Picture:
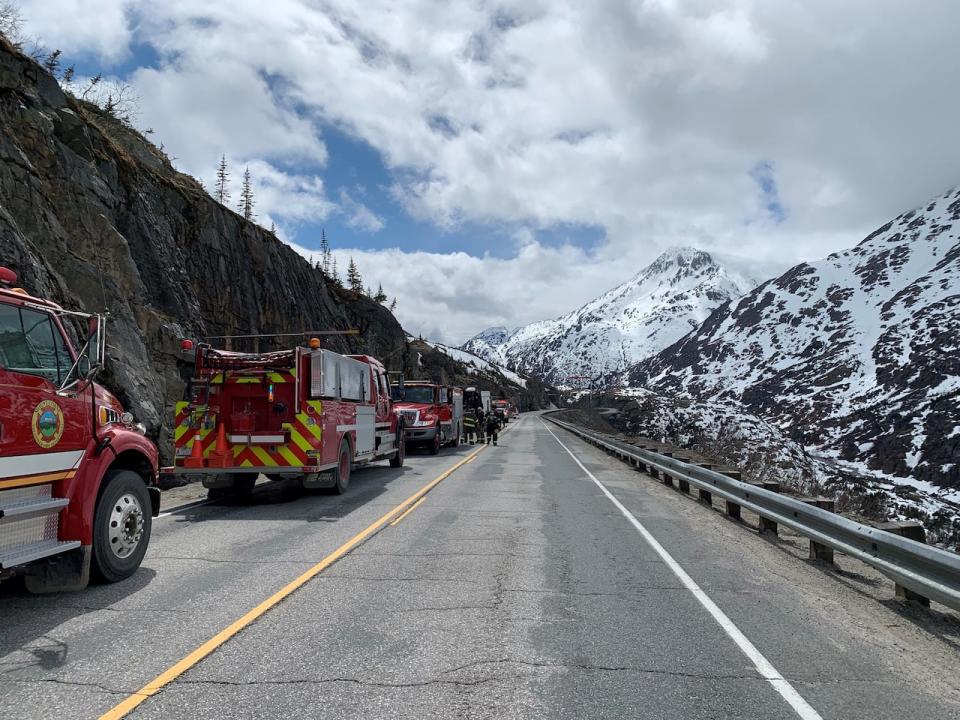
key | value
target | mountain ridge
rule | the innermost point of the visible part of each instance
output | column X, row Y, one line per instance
column 855, row 355
column 605, row 336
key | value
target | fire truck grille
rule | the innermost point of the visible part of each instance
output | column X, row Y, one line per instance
column 26, row 531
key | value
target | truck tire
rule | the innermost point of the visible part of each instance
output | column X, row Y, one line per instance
column 397, row 460
column 243, row 484
column 437, row 441
column 341, row 473
column 121, row 526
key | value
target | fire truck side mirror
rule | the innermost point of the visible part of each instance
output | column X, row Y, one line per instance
column 97, row 342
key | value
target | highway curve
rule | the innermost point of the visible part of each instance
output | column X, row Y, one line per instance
column 538, row 579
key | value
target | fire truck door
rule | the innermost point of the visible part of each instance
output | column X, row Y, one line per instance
column 41, row 433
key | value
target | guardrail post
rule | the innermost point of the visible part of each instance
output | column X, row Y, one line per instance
column 912, row 531
column 733, row 509
column 766, row 524
column 665, row 477
column 818, row 551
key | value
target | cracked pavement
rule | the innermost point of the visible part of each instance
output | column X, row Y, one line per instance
column 515, row 590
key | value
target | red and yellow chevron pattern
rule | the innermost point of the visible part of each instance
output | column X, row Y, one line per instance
column 302, row 448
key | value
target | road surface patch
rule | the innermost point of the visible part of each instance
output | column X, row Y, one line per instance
column 172, row 673
column 767, row 671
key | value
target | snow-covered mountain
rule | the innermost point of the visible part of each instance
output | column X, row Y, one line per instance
column 856, row 356
column 487, row 344
column 649, row 312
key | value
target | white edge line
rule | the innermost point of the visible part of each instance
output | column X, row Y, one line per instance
column 763, row 666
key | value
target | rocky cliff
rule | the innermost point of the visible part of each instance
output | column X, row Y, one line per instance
column 95, row 217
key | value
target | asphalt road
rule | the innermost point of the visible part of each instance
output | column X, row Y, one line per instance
column 516, row 588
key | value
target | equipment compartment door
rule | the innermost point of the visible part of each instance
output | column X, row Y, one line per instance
column 366, row 427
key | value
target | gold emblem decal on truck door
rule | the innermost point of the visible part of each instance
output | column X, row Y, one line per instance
column 47, row 424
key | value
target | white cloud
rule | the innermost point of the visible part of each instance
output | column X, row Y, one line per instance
column 642, row 118
column 358, row 216
column 98, row 27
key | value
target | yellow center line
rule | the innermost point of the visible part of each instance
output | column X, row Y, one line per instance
column 176, row 670
column 410, row 509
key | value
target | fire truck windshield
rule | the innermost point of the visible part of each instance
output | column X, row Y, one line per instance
column 413, row 394
column 31, row 344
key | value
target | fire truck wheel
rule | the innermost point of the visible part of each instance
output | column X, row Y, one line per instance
column 341, row 473
column 401, row 454
column 437, row 441
column 243, row 483
column 121, row 526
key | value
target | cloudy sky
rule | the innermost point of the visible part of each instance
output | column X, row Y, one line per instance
column 495, row 163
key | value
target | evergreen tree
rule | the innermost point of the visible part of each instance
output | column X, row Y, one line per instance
column 273, row 228
column 221, row 191
column 324, row 251
column 393, row 305
column 353, row 277
column 381, row 296
column 52, row 63
column 246, row 196
column 335, row 274
column 368, row 292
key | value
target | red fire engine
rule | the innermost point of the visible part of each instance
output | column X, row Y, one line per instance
column 504, row 409
column 433, row 414
column 305, row 413
column 77, row 474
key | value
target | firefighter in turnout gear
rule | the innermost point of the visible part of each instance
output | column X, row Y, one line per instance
column 470, row 427
column 492, row 426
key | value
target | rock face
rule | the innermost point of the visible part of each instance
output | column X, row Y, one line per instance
column 652, row 310
column 95, row 217
column 856, row 356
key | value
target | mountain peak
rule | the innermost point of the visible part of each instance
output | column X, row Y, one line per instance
column 640, row 317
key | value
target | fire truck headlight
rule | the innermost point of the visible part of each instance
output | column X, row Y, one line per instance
column 108, row 416
column 140, row 428
column 127, row 418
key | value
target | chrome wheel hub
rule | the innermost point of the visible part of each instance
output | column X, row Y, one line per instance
column 126, row 525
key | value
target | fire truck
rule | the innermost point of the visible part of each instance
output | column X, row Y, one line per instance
column 306, row 414
column 503, row 409
column 433, row 414
column 77, row 474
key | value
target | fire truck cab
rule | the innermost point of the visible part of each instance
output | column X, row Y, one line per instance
column 307, row 413
column 77, row 474
column 504, row 410
column 433, row 414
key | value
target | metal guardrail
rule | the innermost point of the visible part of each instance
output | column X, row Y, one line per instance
column 926, row 570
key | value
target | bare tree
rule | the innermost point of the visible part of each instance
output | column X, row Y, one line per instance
column 11, row 23
column 119, row 100
column 91, row 87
